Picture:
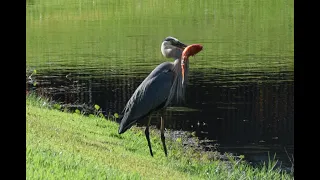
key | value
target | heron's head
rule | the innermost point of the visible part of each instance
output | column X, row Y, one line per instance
column 172, row 48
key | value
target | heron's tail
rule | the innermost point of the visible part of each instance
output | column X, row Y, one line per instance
column 125, row 124
column 121, row 129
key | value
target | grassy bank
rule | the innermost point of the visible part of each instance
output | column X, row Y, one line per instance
column 71, row 146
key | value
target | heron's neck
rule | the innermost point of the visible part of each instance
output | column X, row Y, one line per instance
column 176, row 54
column 178, row 89
column 177, row 68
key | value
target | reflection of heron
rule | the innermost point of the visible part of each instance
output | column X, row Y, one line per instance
column 158, row 89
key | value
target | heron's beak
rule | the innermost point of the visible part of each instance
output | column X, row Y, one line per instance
column 181, row 45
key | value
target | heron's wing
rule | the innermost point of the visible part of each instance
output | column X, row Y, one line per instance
column 152, row 93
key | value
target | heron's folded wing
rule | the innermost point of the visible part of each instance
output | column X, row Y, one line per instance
column 152, row 93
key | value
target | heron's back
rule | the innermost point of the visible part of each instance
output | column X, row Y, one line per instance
column 150, row 96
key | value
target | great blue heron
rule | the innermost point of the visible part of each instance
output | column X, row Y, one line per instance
column 158, row 89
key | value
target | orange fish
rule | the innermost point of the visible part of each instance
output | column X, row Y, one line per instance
column 190, row 50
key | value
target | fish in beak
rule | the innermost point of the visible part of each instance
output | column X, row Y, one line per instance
column 188, row 51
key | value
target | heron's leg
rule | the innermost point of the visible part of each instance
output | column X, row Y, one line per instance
column 162, row 135
column 147, row 135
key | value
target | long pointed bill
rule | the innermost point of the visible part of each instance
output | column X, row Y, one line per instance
column 182, row 70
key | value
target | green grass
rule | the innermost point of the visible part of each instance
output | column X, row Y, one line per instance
column 125, row 36
column 64, row 145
